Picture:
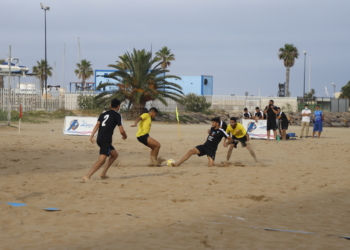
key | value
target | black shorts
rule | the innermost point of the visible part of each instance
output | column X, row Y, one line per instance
column 143, row 139
column 271, row 124
column 203, row 150
column 242, row 140
column 105, row 148
column 284, row 125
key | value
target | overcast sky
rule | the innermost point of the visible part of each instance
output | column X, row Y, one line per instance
column 237, row 42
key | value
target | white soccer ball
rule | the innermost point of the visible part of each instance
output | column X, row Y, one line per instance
column 169, row 162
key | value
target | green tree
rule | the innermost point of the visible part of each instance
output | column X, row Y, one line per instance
column 39, row 70
column 195, row 103
column 2, row 77
column 165, row 56
column 345, row 91
column 311, row 94
column 121, row 62
column 84, row 71
column 288, row 54
column 143, row 80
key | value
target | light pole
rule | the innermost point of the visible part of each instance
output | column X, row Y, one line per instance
column 45, row 8
column 304, row 73
column 333, row 84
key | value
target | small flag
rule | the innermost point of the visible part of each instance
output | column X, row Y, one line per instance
column 326, row 91
column 177, row 115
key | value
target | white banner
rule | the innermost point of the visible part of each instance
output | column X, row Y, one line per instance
column 257, row 130
column 77, row 125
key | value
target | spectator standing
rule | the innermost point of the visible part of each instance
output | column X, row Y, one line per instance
column 305, row 121
column 319, row 117
column 283, row 124
column 271, row 111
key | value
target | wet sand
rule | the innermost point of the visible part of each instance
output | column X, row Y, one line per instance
column 300, row 185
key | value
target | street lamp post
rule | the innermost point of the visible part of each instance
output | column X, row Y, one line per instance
column 333, row 84
column 304, row 73
column 45, row 8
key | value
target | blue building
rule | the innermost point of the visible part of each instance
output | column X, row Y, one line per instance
column 199, row 85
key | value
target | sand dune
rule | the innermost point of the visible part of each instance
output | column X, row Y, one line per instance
column 300, row 185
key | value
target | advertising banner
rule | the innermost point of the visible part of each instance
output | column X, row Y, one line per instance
column 257, row 130
column 77, row 125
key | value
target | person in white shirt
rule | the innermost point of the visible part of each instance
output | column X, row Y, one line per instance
column 305, row 121
column 246, row 114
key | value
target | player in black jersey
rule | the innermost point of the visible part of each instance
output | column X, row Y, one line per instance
column 271, row 123
column 105, row 126
column 259, row 115
column 246, row 114
column 210, row 146
column 281, row 116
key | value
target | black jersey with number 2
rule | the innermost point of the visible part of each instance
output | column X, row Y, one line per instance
column 108, row 121
column 214, row 138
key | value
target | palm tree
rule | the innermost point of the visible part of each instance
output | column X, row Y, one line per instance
column 121, row 62
column 143, row 80
column 39, row 70
column 288, row 54
column 165, row 55
column 311, row 94
column 2, row 77
column 84, row 71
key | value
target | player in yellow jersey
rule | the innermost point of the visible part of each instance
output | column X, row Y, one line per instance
column 239, row 134
column 143, row 135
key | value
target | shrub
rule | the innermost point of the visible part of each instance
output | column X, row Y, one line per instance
column 86, row 102
column 195, row 103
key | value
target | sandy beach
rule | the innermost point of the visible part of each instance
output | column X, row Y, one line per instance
column 299, row 185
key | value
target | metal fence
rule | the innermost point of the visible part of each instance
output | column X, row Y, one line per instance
column 327, row 104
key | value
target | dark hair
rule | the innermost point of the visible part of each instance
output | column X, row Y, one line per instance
column 216, row 119
column 306, row 105
column 272, row 101
column 317, row 105
column 245, row 109
column 115, row 103
column 257, row 108
column 144, row 110
column 233, row 119
column 278, row 108
column 153, row 109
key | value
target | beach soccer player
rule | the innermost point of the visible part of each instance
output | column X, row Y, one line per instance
column 319, row 117
column 239, row 134
column 284, row 123
column 143, row 135
column 105, row 126
column 209, row 148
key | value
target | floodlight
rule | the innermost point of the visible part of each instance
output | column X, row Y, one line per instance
column 44, row 7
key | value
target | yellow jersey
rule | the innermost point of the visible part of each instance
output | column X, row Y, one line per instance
column 144, row 125
column 239, row 131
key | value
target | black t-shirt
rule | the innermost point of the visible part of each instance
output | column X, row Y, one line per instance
column 270, row 114
column 108, row 121
column 214, row 138
column 259, row 114
column 223, row 125
column 283, row 118
column 248, row 114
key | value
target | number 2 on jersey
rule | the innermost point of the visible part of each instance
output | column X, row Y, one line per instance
column 105, row 119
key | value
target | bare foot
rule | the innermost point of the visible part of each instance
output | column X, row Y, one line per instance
column 85, row 178
column 104, row 176
column 175, row 165
column 160, row 160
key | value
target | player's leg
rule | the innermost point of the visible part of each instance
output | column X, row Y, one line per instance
column 307, row 124
column 275, row 133
column 112, row 158
column 268, row 135
column 229, row 152
column 155, row 146
column 101, row 160
column 320, row 129
column 284, row 134
column 302, row 129
column 191, row 152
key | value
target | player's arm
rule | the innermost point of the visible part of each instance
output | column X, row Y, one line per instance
column 265, row 110
column 275, row 111
column 322, row 116
column 122, row 132
column 136, row 121
column 94, row 131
